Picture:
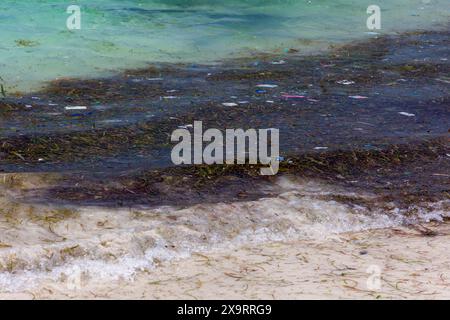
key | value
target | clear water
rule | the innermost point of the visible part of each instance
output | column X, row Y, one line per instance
column 119, row 34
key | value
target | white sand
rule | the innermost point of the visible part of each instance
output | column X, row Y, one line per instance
column 413, row 266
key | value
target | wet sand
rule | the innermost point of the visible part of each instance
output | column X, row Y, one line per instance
column 412, row 265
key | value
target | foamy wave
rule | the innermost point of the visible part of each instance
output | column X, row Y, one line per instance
column 97, row 244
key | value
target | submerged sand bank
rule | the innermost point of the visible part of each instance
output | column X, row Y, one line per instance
column 412, row 266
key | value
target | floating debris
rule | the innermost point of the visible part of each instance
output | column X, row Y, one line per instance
column 278, row 62
column 229, row 104
column 76, row 108
column 407, row 114
column 186, row 126
column 293, row 96
column 345, row 82
column 443, row 80
column 270, row 86
column 358, row 97
column 320, row 148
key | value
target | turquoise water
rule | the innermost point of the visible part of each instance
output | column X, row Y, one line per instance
column 36, row 45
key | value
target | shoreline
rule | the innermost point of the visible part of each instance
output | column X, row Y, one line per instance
column 413, row 266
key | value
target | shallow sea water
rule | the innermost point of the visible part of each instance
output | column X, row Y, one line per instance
column 36, row 46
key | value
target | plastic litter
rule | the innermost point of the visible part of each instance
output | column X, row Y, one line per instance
column 358, row 97
column 443, row 80
column 186, row 126
column 261, row 91
column 345, row 82
column 320, row 148
column 76, row 108
column 229, row 104
column 278, row 62
column 270, row 86
column 292, row 96
column 407, row 114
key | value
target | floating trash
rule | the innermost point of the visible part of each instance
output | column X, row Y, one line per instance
column 345, row 82
column 169, row 97
column 261, row 91
column 186, row 126
column 278, row 62
column 320, row 148
column 270, row 86
column 292, row 96
column 358, row 97
column 443, row 80
column 76, row 108
column 407, row 114
column 229, row 104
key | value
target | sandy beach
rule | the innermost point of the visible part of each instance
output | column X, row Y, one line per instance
column 413, row 266
column 297, row 243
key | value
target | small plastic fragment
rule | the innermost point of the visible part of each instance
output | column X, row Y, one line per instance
column 345, row 82
column 358, row 97
column 292, row 96
column 76, row 108
column 270, row 86
column 407, row 114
